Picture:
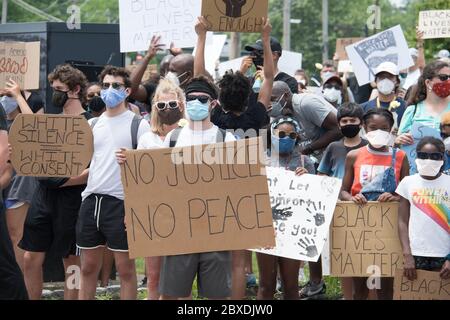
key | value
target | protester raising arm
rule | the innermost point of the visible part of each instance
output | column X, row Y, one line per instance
column 13, row 90
column 420, row 46
column 138, row 91
column 201, row 27
column 269, row 73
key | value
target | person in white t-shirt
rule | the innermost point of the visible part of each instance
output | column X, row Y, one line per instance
column 101, row 220
column 424, row 213
column 167, row 111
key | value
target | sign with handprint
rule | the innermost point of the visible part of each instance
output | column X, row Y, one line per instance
column 302, row 210
column 235, row 15
column 364, row 240
column 367, row 54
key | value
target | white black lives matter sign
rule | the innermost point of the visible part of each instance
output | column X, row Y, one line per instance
column 173, row 20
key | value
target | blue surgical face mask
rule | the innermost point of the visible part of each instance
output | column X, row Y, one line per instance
column 9, row 104
column 197, row 111
column 113, row 97
column 283, row 145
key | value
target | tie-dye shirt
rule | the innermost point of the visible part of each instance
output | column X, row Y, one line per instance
column 429, row 230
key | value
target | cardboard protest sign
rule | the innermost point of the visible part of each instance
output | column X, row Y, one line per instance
column 173, row 20
column 364, row 240
column 435, row 23
column 197, row 199
column 45, row 145
column 213, row 50
column 341, row 43
column 302, row 210
column 20, row 61
column 418, row 131
column 368, row 54
column 235, row 15
column 427, row 286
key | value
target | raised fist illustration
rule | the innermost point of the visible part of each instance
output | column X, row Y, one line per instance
column 234, row 7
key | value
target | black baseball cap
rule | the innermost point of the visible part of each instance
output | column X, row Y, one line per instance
column 258, row 46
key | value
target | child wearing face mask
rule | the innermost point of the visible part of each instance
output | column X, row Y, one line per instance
column 424, row 209
column 283, row 153
column 372, row 173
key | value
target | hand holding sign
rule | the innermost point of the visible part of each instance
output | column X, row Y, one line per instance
column 201, row 27
column 12, row 89
column 266, row 30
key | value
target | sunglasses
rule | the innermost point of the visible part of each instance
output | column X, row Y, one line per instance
column 115, row 85
column 163, row 105
column 443, row 77
column 283, row 134
column 202, row 99
column 436, row 156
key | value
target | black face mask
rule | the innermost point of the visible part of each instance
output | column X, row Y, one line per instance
column 170, row 116
column 59, row 98
column 96, row 104
column 258, row 61
column 351, row 130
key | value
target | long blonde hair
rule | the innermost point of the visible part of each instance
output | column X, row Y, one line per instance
column 164, row 87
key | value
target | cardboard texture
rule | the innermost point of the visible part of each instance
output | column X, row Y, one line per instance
column 173, row 207
column 435, row 23
column 427, row 286
column 365, row 238
column 341, row 43
column 235, row 15
column 46, row 145
column 20, row 61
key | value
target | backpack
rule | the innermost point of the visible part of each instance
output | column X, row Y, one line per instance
column 176, row 133
column 134, row 129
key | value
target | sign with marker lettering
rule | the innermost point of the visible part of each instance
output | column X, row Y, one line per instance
column 45, row 145
column 435, row 24
column 366, row 55
column 302, row 210
column 173, row 20
column 341, row 43
column 20, row 61
column 364, row 240
column 197, row 199
column 235, row 15
column 427, row 286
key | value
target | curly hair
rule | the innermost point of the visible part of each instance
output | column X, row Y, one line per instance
column 429, row 72
column 235, row 91
column 71, row 77
column 433, row 141
column 116, row 72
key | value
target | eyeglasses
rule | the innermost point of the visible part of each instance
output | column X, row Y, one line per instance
column 162, row 105
column 283, row 134
column 443, row 77
column 202, row 99
column 115, row 85
column 436, row 156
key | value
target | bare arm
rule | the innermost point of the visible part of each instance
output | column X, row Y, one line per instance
column 5, row 178
column 330, row 124
column 4, row 151
column 347, row 182
column 201, row 28
column 138, row 91
column 269, row 71
column 13, row 89
column 76, row 181
column 403, row 232
column 421, row 62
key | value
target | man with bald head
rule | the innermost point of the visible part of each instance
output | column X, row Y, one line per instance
column 181, row 69
column 164, row 65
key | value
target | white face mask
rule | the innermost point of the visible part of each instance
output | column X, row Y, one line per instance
column 428, row 167
column 9, row 104
column 379, row 138
column 327, row 74
column 333, row 95
column 386, row 86
column 173, row 77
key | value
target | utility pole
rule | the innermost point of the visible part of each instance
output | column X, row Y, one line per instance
column 325, row 53
column 287, row 25
column 235, row 45
column 4, row 11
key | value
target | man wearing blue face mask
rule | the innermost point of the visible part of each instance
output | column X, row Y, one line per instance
column 213, row 269
column 101, row 219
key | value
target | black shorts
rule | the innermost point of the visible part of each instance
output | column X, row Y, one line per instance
column 101, row 222
column 51, row 221
column 429, row 263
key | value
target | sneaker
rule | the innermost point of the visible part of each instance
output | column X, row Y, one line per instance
column 301, row 276
column 279, row 287
column 144, row 282
column 312, row 290
column 251, row 280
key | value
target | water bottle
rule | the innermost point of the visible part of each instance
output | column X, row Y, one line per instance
column 257, row 85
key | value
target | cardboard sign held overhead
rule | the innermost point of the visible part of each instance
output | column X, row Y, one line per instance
column 20, row 61
column 427, row 286
column 302, row 209
column 235, row 15
column 435, row 23
column 209, row 198
column 173, row 20
column 364, row 240
column 46, row 145
column 368, row 54
column 341, row 43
